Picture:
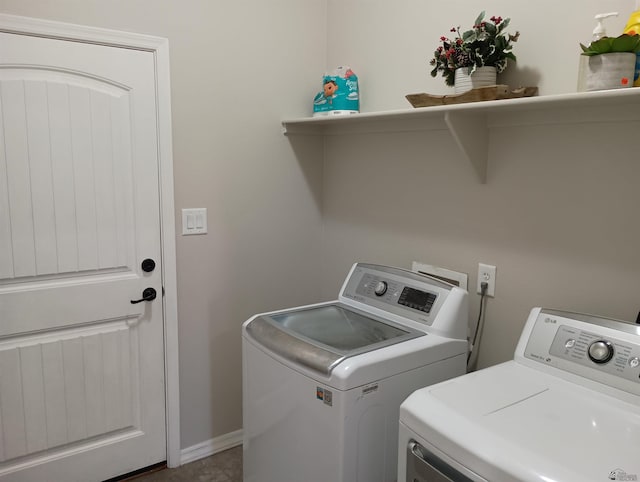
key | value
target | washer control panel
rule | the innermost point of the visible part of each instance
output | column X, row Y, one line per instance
column 393, row 292
column 600, row 349
column 411, row 296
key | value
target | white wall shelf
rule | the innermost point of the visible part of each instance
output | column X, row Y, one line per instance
column 470, row 124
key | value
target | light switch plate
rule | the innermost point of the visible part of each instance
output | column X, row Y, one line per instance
column 194, row 221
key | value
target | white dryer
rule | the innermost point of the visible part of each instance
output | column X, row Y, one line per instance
column 322, row 384
column 566, row 409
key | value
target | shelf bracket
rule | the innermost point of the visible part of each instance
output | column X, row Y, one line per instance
column 302, row 129
column 470, row 131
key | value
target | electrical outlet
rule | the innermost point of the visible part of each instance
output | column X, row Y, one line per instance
column 487, row 274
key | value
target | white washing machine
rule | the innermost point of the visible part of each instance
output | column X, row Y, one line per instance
column 322, row 384
column 566, row 409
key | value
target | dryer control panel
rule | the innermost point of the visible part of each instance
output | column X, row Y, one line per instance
column 600, row 349
column 589, row 349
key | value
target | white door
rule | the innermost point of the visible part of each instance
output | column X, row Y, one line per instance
column 81, row 368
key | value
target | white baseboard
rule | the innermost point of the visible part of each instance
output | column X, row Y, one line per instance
column 210, row 447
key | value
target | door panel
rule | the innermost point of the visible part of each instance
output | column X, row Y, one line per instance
column 77, row 165
column 49, row 397
column 81, row 367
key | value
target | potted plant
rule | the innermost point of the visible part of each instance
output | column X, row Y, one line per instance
column 612, row 62
column 486, row 44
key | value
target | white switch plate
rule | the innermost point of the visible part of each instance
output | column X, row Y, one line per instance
column 194, row 221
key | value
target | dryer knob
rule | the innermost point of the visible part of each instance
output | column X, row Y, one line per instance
column 381, row 288
column 601, row 351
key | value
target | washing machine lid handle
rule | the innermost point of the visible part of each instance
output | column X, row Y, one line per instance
column 292, row 348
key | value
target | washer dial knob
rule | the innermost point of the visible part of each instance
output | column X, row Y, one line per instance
column 381, row 288
column 601, row 351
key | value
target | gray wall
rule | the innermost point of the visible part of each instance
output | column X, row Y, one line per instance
column 236, row 66
column 558, row 215
column 389, row 45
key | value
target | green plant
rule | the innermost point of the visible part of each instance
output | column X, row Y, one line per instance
column 622, row 43
column 486, row 44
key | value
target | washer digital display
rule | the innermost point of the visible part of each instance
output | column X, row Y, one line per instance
column 417, row 299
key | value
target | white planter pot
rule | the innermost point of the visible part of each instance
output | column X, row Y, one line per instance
column 610, row 71
column 482, row 77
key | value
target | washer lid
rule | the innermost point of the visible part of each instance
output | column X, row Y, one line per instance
column 321, row 337
column 511, row 422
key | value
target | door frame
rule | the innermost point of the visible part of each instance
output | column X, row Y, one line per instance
column 160, row 48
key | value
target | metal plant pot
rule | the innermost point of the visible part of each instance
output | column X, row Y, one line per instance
column 482, row 77
column 612, row 70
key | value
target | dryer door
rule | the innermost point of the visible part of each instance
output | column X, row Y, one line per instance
column 423, row 466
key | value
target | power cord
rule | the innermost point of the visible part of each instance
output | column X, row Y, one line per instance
column 483, row 296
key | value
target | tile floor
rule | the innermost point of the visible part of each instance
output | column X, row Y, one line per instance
column 222, row 467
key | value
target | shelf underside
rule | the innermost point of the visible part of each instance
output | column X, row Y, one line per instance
column 469, row 124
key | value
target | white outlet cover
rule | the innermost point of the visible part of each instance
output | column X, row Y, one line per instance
column 487, row 272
